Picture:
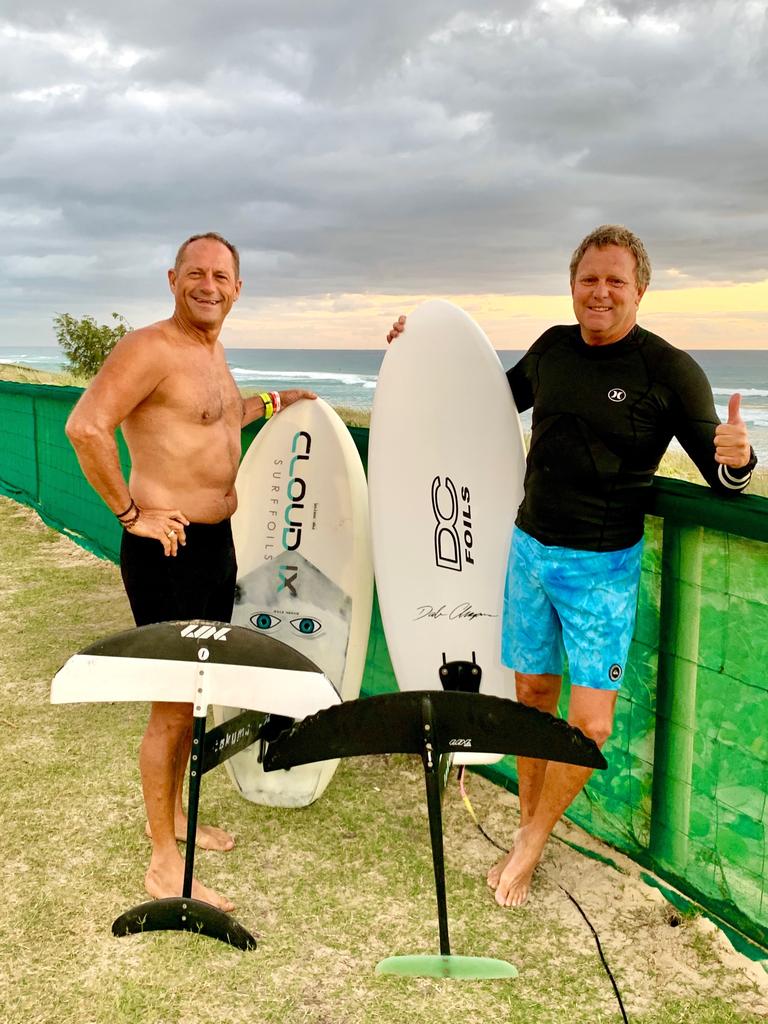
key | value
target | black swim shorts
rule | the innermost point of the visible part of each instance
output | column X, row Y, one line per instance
column 198, row 583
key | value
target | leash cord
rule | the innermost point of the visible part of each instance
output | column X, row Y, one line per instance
column 472, row 814
column 573, row 899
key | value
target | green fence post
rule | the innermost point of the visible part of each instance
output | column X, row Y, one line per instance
column 676, row 694
column 37, row 449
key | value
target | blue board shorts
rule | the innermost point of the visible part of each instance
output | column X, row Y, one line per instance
column 562, row 601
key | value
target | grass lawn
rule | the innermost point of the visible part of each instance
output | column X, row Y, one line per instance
column 28, row 375
column 328, row 890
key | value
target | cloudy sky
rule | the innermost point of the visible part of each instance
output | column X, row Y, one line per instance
column 363, row 155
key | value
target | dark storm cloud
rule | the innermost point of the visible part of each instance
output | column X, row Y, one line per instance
column 347, row 147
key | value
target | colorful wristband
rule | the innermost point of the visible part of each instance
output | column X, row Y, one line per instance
column 268, row 404
column 275, row 396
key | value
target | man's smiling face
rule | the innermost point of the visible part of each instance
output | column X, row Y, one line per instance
column 605, row 294
column 205, row 285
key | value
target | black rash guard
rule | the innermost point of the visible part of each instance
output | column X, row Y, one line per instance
column 603, row 416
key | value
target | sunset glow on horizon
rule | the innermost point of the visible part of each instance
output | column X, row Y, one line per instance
column 702, row 317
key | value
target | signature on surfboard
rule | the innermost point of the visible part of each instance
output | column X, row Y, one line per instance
column 461, row 611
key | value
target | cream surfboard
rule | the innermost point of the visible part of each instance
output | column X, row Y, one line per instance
column 305, row 574
column 446, row 464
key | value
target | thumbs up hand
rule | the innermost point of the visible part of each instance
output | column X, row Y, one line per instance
column 731, row 440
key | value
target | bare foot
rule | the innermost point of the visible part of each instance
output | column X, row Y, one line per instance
column 512, row 874
column 494, row 873
column 208, row 837
column 162, row 881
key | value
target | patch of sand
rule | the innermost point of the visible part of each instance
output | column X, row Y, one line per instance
column 651, row 947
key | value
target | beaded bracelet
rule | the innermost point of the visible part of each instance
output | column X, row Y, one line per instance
column 269, row 407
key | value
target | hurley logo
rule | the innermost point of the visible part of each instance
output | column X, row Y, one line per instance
column 195, row 631
column 617, row 394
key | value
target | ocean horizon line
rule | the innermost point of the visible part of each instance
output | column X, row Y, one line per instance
column 374, row 348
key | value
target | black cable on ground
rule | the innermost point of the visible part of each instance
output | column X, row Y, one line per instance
column 608, row 971
column 573, row 899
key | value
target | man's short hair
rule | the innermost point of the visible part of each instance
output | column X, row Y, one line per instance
column 616, row 234
column 215, row 237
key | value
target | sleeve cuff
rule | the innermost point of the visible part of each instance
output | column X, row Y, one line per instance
column 737, row 479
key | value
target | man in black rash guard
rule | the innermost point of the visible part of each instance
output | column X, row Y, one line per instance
column 603, row 417
column 607, row 398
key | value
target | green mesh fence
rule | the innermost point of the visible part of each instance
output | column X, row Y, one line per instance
column 39, row 467
column 687, row 780
column 686, row 789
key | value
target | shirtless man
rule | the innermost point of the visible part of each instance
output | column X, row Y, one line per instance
column 169, row 387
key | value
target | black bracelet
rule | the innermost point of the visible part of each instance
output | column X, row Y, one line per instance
column 122, row 515
column 128, row 523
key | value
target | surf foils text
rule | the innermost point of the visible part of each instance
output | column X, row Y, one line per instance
column 453, row 524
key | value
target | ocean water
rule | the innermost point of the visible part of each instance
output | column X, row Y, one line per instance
column 348, row 376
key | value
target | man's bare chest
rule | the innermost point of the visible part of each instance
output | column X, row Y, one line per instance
column 198, row 394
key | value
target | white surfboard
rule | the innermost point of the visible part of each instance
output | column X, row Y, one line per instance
column 446, row 463
column 305, row 574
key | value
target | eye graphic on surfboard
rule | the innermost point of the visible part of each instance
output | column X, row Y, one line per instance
column 264, row 621
column 306, row 625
